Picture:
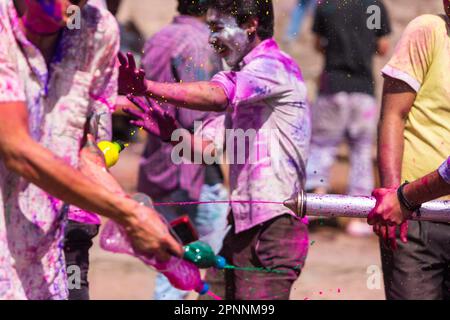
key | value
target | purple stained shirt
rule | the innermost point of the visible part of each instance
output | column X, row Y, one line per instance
column 444, row 170
column 80, row 80
column 178, row 52
column 267, row 100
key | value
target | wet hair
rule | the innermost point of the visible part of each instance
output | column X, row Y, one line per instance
column 193, row 7
column 244, row 10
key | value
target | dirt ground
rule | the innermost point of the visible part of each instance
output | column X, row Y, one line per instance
column 337, row 264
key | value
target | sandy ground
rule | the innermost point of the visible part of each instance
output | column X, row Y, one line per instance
column 337, row 264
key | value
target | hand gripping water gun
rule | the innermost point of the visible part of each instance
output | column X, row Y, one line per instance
column 182, row 274
column 331, row 205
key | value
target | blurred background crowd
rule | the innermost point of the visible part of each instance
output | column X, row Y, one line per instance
column 343, row 260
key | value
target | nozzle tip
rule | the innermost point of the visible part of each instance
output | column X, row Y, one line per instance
column 291, row 204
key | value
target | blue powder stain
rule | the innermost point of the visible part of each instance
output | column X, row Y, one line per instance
column 59, row 51
column 261, row 91
column 48, row 6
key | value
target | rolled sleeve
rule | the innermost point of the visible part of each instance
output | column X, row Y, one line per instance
column 413, row 54
column 444, row 171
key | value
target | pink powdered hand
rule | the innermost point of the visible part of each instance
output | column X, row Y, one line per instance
column 152, row 118
column 388, row 210
column 131, row 79
column 387, row 216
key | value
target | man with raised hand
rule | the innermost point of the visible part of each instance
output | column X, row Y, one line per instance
column 265, row 96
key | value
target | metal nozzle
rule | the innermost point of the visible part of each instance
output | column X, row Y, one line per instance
column 297, row 204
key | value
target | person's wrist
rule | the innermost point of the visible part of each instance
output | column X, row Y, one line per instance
column 408, row 193
column 126, row 207
column 148, row 88
column 405, row 201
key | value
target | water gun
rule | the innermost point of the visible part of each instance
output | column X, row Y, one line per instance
column 111, row 151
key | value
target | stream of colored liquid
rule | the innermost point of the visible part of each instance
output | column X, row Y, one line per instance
column 267, row 270
column 214, row 296
column 162, row 204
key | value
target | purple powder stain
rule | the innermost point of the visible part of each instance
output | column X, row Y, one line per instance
column 49, row 7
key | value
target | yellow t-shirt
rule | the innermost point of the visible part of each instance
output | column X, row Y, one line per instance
column 422, row 59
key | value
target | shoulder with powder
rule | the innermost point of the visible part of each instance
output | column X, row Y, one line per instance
column 102, row 24
column 431, row 22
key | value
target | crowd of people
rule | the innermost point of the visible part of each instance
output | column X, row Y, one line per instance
column 213, row 74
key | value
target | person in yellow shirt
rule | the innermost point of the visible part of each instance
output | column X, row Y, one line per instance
column 413, row 140
column 394, row 206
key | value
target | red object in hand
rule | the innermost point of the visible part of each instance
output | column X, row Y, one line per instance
column 185, row 230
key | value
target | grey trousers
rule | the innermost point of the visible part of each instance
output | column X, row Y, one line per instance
column 419, row 269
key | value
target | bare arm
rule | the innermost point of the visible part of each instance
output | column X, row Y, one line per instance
column 27, row 158
column 22, row 155
column 388, row 209
column 203, row 95
column 398, row 98
column 428, row 188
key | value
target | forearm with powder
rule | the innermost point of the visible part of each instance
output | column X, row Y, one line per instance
column 390, row 149
column 203, row 95
column 41, row 167
column 398, row 98
column 430, row 187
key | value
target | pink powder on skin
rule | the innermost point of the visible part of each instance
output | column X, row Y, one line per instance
column 103, row 100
